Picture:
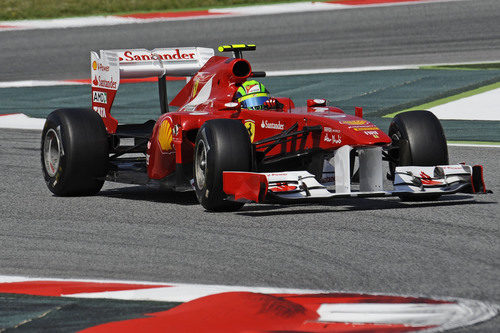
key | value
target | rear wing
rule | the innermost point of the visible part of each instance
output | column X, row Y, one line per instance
column 110, row 66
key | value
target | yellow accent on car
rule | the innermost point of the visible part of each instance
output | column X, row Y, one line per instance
column 234, row 47
column 165, row 136
column 250, row 126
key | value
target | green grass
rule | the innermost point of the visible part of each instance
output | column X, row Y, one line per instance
column 36, row 9
column 479, row 143
column 494, row 65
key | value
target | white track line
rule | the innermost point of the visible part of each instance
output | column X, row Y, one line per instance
column 473, row 145
column 38, row 83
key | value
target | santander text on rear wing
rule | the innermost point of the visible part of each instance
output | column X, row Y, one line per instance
column 110, row 66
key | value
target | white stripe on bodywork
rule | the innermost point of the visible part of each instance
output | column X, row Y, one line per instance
column 202, row 96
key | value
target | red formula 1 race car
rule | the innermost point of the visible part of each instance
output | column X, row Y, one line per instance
column 231, row 151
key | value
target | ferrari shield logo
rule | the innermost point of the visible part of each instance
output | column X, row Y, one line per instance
column 250, row 125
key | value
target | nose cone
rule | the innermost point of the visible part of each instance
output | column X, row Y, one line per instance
column 362, row 132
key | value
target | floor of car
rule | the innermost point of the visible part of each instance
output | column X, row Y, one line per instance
column 136, row 130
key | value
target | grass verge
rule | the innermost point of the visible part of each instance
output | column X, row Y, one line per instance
column 36, row 9
column 493, row 65
column 474, row 143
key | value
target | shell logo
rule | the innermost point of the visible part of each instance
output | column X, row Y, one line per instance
column 165, row 136
column 94, row 65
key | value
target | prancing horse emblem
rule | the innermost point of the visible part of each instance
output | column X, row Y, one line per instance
column 250, row 125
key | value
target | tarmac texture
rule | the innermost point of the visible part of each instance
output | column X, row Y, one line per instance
column 445, row 248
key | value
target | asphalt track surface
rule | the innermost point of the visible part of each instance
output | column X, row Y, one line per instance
column 457, row 31
column 448, row 248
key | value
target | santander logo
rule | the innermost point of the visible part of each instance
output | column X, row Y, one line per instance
column 99, row 82
column 129, row 56
column 270, row 125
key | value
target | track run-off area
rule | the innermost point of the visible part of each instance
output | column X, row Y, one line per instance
column 104, row 247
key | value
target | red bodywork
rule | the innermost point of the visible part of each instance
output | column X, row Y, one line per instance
column 206, row 96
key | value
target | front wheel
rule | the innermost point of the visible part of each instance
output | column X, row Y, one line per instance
column 221, row 145
column 417, row 139
column 74, row 152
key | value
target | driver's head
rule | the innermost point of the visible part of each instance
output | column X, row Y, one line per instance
column 252, row 95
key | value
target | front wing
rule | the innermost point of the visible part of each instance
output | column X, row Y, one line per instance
column 295, row 186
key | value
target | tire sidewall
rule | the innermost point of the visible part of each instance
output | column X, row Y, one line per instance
column 83, row 165
column 211, row 196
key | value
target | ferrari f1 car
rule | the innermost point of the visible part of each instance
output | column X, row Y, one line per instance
column 231, row 155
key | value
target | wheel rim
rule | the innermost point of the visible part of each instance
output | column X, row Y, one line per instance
column 200, row 164
column 51, row 152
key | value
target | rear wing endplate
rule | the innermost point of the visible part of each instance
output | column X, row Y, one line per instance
column 110, row 66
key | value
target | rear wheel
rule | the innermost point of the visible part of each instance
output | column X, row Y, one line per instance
column 221, row 145
column 417, row 139
column 74, row 152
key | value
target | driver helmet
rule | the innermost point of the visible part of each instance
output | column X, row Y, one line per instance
column 252, row 95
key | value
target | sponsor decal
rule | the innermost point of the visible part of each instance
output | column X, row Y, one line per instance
column 354, row 122
column 335, row 138
column 100, row 110
column 359, row 129
column 100, row 97
column 196, row 113
column 270, row 125
column 372, row 133
column 453, row 167
column 252, row 88
column 330, row 130
column 250, row 126
column 176, row 54
column 102, row 68
column 165, row 136
column 101, row 82
column 320, row 109
column 99, row 67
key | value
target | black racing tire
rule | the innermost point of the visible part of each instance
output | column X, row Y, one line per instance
column 74, row 152
column 417, row 139
column 221, row 145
